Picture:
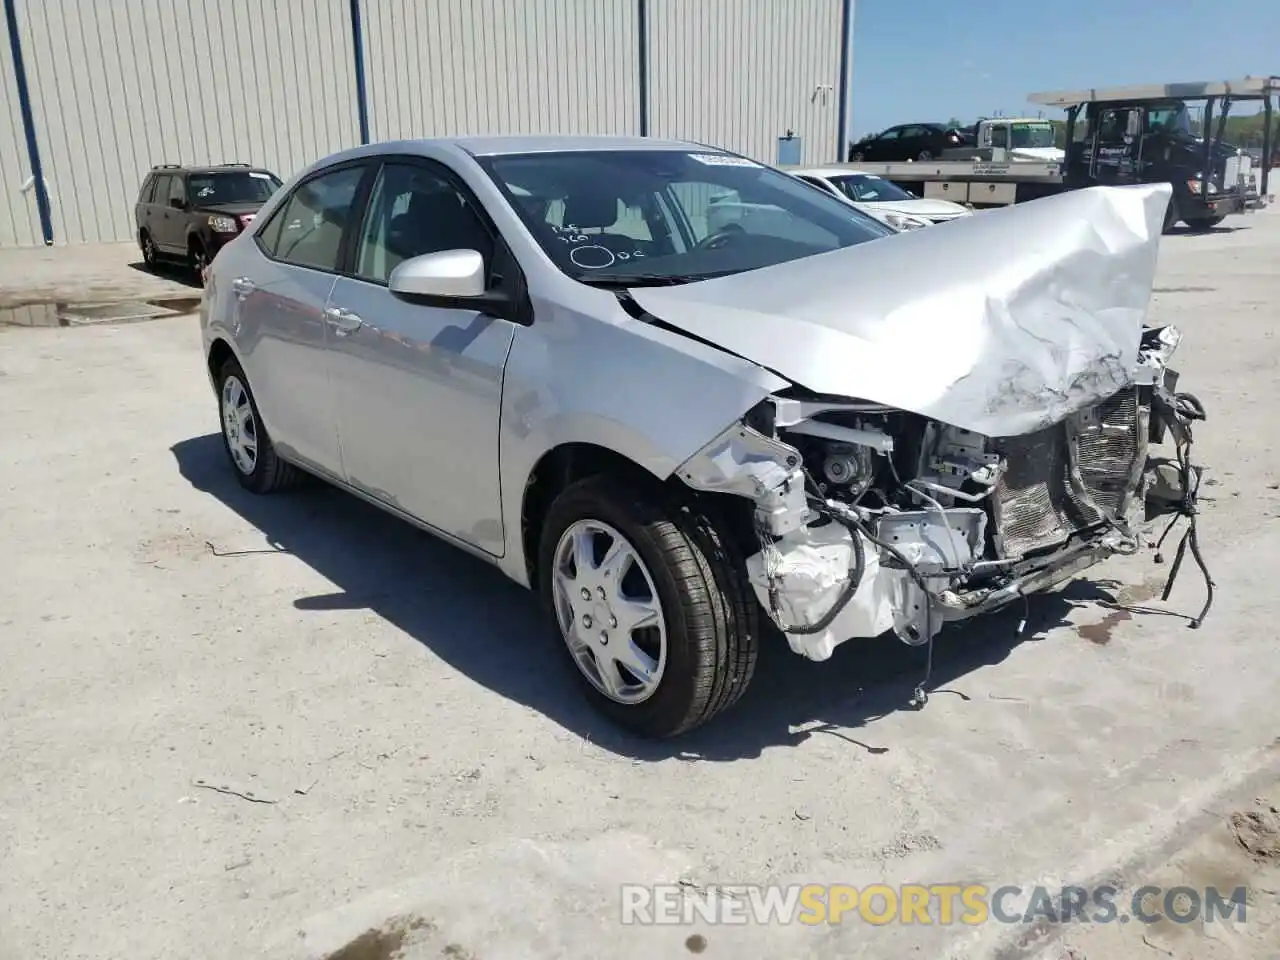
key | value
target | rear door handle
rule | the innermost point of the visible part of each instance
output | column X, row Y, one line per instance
column 243, row 286
column 343, row 322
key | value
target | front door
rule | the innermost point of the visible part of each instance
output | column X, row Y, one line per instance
column 418, row 389
column 171, row 233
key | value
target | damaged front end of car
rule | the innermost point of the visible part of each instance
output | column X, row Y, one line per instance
column 871, row 519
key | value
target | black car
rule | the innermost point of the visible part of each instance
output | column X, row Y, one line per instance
column 909, row 141
column 188, row 213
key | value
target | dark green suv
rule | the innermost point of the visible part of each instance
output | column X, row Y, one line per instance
column 187, row 214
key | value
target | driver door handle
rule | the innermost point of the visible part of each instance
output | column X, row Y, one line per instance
column 343, row 322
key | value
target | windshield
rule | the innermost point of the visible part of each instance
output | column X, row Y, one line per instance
column 242, row 186
column 667, row 216
column 868, row 188
column 1031, row 135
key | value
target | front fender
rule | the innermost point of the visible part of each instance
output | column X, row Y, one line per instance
column 647, row 394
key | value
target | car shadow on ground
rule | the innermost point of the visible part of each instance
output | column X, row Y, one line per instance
column 177, row 272
column 1182, row 230
column 495, row 632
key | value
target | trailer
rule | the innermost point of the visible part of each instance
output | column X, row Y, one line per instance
column 1139, row 134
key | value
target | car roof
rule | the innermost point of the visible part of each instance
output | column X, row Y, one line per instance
column 496, row 146
column 210, row 168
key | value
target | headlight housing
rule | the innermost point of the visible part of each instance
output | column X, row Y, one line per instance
column 902, row 221
column 223, row 224
column 1196, row 185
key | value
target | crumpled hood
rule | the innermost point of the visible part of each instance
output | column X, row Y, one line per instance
column 1003, row 323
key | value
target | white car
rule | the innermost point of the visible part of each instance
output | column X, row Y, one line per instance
column 877, row 197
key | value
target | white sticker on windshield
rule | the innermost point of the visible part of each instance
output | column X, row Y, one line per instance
column 259, row 176
column 872, row 176
column 722, row 160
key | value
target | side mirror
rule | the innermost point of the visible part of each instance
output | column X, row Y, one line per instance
column 451, row 279
column 1133, row 125
column 178, row 203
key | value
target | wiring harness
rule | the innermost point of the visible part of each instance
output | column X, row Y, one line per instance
column 1180, row 410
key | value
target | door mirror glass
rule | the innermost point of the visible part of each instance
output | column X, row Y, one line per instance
column 177, row 203
column 1134, row 123
column 449, row 274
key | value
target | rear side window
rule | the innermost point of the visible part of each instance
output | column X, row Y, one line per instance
column 308, row 229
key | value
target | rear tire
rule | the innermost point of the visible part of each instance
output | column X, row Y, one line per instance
column 244, row 437
column 148, row 249
column 925, row 155
column 701, row 637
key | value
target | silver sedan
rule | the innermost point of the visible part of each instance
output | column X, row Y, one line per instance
column 682, row 396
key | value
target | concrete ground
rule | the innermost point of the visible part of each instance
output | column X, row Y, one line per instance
column 293, row 727
column 37, row 283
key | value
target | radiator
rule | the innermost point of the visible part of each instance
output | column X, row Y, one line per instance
column 1036, row 504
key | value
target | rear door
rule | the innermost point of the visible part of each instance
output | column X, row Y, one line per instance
column 155, row 208
column 914, row 141
column 282, row 297
column 419, row 389
column 141, row 208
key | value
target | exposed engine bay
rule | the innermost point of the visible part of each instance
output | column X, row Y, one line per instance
column 871, row 519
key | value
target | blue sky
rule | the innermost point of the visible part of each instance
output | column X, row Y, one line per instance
column 930, row 60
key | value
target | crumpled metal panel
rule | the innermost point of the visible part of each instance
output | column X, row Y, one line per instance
column 1002, row 323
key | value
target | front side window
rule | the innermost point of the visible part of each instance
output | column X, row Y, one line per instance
column 671, row 216
column 247, row 186
column 416, row 210
column 313, row 218
column 867, row 188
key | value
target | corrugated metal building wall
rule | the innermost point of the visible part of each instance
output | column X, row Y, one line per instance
column 741, row 73
column 118, row 85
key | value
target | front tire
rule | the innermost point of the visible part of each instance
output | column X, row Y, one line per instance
column 652, row 604
column 244, row 437
column 1203, row 223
